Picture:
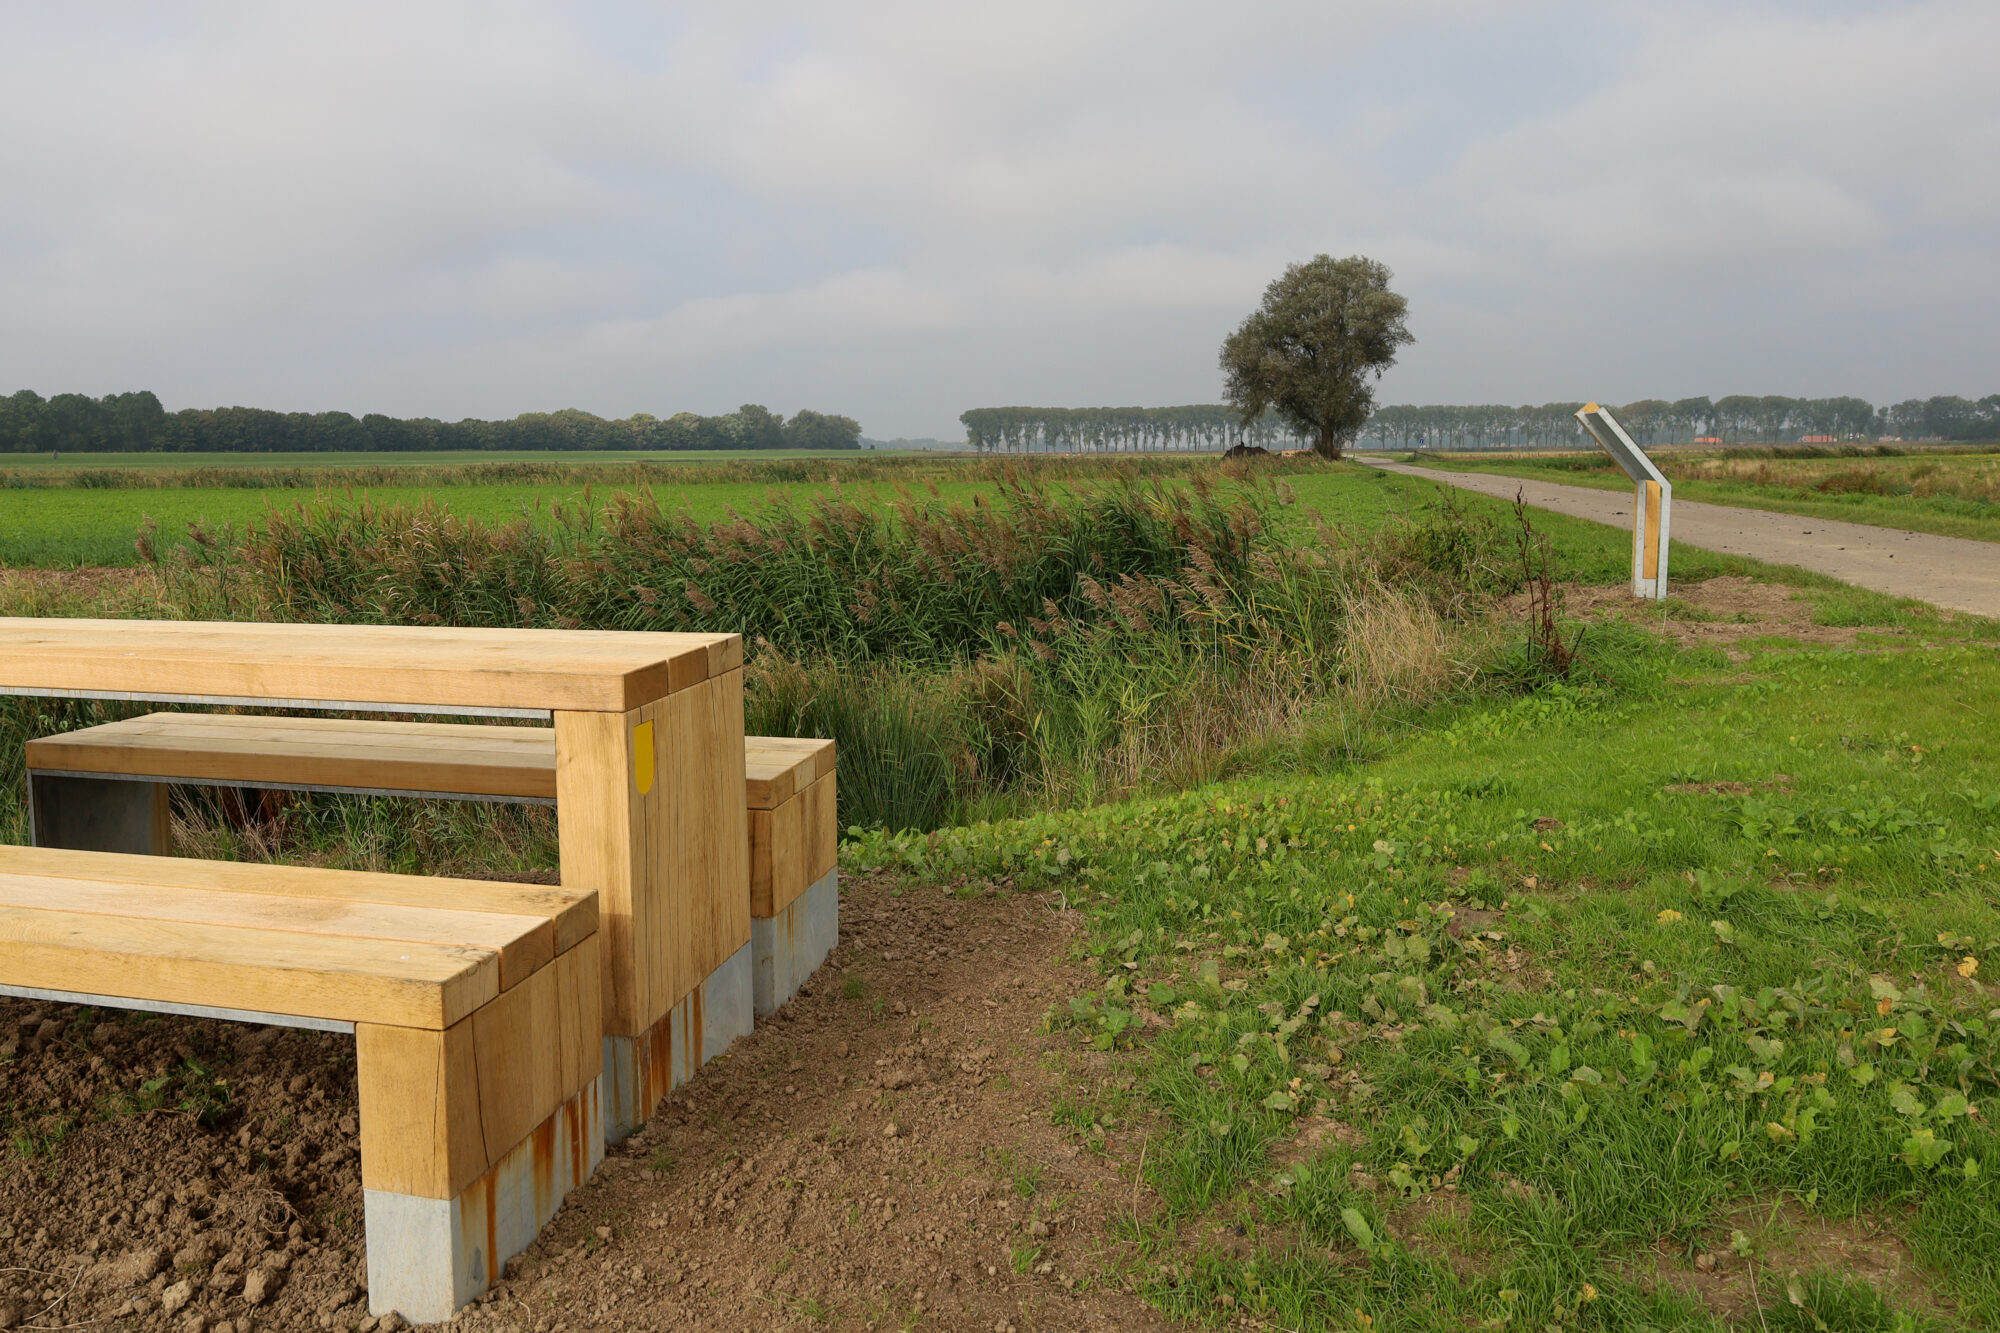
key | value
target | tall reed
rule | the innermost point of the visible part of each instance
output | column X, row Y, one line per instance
column 1039, row 645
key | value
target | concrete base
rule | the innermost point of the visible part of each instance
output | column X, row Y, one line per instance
column 428, row 1257
column 789, row 947
column 638, row 1071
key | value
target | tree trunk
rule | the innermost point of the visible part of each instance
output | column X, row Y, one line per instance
column 1328, row 445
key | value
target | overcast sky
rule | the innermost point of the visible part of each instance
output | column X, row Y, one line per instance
column 899, row 211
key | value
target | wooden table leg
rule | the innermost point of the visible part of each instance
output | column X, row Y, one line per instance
column 471, row 1136
column 651, row 813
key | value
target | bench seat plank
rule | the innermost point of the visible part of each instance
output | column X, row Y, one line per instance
column 523, row 943
column 398, row 982
column 779, row 767
column 496, row 761
column 573, row 912
column 303, row 752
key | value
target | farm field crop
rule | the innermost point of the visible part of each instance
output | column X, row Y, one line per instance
column 1952, row 494
column 427, row 458
column 81, row 526
column 69, row 526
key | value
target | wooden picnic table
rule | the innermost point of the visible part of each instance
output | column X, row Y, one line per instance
column 648, row 738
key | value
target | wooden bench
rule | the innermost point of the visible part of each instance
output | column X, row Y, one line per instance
column 794, row 846
column 475, row 1009
column 651, row 811
column 105, row 787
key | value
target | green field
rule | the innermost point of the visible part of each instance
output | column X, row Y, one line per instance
column 433, row 458
column 69, row 527
column 73, row 526
column 1953, row 494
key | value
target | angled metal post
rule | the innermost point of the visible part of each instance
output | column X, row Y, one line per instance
column 1652, row 506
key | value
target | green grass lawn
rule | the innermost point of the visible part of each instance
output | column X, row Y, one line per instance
column 1558, row 1010
column 1943, row 512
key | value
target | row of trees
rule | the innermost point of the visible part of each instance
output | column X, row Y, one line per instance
column 1104, row 430
column 136, row 423
column 1736, row 419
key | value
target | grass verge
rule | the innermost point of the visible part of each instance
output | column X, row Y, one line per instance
column 1524, row 1024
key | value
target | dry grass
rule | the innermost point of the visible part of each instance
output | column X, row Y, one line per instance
column 399, row 835
column 81, row 592
column 1400, row 650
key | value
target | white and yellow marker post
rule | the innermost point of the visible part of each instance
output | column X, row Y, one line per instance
column 1653, row 498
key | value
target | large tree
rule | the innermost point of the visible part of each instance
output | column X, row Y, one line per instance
column 1326, row 330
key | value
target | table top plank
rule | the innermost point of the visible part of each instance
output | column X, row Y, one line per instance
column 418, row 666
column 507, row 762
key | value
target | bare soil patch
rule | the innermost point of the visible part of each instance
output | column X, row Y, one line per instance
column 1790, row 1241
column 1315, row 1135
column 1721, row 611
column 879, row 1155
column 1778, row 782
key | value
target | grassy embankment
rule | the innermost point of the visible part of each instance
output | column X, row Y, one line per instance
column 1448, row 994
column 1557, row 996
column 1954, row 493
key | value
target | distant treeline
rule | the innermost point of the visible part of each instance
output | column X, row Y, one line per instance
column 136, row 423
column 1116, row 429
column 1737, row 419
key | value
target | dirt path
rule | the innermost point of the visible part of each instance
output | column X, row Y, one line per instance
column 1950, row 572
column 881, row 1155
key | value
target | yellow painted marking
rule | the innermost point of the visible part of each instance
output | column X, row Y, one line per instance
column 642, row 756
column 1590, row 407
column 1652, row 565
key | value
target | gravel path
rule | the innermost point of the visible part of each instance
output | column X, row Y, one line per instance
column 1951, row 572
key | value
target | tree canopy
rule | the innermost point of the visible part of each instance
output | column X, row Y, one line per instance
column 1326, row 330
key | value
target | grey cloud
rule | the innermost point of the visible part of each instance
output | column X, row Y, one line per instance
column 903, row 210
